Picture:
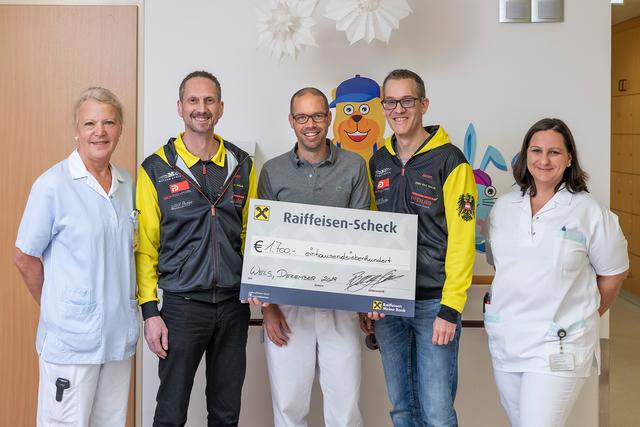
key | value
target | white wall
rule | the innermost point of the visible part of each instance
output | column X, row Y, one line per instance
column 501, row 77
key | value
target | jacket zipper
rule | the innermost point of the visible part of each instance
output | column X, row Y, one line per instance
column 403, row 181
column 213, row 204
column 214, row 236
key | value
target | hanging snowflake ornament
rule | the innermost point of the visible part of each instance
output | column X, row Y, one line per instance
column 285, row 28
column 367, row 19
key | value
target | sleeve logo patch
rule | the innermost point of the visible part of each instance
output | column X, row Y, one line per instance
column 466, row 207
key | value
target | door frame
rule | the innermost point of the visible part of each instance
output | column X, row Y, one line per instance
column 139, row 124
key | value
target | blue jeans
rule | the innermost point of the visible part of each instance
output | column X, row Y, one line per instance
column 421, row 377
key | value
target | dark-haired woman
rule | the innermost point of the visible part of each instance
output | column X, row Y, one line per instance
column 560, row 259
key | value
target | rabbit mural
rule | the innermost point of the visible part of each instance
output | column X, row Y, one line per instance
column 487, row 193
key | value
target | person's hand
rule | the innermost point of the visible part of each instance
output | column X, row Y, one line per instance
column 275, row 325
column 157, row 336
column 254, row 301
column 443, row 331
column 375, row 315
column 366, row 324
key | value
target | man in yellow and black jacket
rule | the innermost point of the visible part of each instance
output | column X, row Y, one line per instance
column 192, row 197
column 420, row 172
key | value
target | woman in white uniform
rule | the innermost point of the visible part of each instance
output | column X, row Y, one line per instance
column 560, row 259
column 75, row 253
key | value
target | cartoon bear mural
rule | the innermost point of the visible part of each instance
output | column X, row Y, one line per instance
column 359, row 121
column 487, row 193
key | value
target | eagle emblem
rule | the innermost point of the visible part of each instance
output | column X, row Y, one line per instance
column 466, row 207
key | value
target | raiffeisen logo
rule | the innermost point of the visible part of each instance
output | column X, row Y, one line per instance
column 397, row 308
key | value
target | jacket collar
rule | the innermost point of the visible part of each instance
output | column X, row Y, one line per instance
column 191, row 160
column 331, row 157
column 562, row 198
column 78, row 170
column 437, row 137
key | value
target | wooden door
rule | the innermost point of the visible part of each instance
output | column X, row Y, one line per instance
column 625, row 58
column 48, row 55
column 625, row 139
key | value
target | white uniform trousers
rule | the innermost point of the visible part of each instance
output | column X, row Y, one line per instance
column 537, row 400
column 330, row 338
column 97, row 396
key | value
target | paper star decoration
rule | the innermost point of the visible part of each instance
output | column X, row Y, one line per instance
column 285, row 28
column 367, row 19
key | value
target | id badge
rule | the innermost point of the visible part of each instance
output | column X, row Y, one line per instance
column 562, row 362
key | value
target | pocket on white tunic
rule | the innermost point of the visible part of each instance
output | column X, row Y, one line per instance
column 496, row 339
column 79, row 329
column 570, row 251
column 576, row 342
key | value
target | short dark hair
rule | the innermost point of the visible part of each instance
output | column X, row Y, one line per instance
column 309, row 90
column 400, row 74
column 574, row 178
column 204, row 74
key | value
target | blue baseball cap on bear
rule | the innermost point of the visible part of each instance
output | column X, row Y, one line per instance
column 356, row 89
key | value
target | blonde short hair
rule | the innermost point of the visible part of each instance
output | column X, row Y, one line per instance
column 100, row 94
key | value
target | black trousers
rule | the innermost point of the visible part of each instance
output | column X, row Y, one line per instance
column 195, row 328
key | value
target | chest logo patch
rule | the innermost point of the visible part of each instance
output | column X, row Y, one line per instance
column 381, row 172
column 179, row 186
column 383, row 183
column 466, row 207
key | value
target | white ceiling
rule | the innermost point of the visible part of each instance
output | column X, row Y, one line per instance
column 630, row 9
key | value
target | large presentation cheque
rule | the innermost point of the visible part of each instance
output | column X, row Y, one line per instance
column 318, row 256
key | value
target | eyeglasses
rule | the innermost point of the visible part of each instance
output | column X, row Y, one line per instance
column 304, row 118
column 407, row 102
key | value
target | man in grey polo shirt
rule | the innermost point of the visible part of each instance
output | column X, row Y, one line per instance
column 315, row 172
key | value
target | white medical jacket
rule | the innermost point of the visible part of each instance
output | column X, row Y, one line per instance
column 546, row 267
column 88, row 310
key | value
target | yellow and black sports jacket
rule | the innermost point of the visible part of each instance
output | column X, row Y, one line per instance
column 437, row 184
column 192, row 223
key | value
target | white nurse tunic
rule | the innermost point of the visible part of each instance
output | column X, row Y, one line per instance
column 546, row 267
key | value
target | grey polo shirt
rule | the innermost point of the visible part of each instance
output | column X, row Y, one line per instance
column 340, row 180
